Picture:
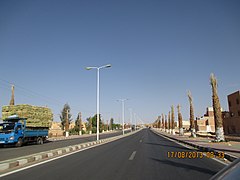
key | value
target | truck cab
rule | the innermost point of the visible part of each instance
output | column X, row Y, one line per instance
column 10, row 132
column 13, row 130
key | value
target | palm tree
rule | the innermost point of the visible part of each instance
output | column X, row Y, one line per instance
column 180, row 121
column 169, row 123
column 163, row 125
column 66, row 117
column 192, row 125
column 158, row 122
column 217, row 110
column 166, row 124
column 172, row 120
column 89, row 125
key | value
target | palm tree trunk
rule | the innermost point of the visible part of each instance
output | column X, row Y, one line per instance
column 192, row 125
column 217, row 110
column 173, row 120
column 180, row 122
column 163, row 126
column 166, row 124
column 169, row 123
column 90, row 124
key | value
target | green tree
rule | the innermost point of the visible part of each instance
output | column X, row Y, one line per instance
column 116, row 126
column 78, row 123
column 92, row 124
column 89, row 124
column 217, row 110
column 111, row 124
column 63, row 117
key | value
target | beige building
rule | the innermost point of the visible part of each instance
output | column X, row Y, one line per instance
column 206, row 123
column 185, row 124
column 55, row 129
column 231, row 122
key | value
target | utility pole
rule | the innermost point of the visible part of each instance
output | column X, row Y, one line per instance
column 12, row 97
column 67, row 125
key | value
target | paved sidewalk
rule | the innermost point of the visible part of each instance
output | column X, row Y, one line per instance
column 231, row 149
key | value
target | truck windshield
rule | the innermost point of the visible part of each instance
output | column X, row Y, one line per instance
column 5, row 127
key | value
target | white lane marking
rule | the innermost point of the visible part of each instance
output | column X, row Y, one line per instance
column 132, row 156
column 140, row 141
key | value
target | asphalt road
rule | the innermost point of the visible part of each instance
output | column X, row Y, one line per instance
column 140, row 156
column 12, row 152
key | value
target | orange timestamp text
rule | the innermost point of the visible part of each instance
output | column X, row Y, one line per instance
column 194, row 154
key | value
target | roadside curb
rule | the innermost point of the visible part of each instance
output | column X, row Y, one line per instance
column 227, row 156
column 76, row 136
column 8, row 164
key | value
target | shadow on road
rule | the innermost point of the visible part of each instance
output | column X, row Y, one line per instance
column 165, row 145
column 185, row 166
column 227, row 150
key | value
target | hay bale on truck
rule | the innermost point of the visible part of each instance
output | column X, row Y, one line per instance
column 36, row 116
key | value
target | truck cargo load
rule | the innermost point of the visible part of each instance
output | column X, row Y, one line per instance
column 35, row 116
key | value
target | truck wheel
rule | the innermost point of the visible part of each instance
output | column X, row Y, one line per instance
column 19, row 143
column 39, row 140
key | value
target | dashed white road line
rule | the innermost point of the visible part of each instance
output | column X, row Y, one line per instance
column 132, row 156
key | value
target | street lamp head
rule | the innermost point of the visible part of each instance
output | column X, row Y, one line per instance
column 108, row 66
column 122, row 100
column 88, row 68
column 105, row 66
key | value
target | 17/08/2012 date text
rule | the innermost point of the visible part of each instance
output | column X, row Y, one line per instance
column 193, row 154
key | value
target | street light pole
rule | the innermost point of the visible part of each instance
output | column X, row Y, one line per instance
column 122, row 100
column 98, row 100
column 135, row 121
column 130, row 110
column 98, row 84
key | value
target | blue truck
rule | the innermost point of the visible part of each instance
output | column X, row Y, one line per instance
column 13, row 130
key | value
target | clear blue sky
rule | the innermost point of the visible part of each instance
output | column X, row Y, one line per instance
column 158, row 49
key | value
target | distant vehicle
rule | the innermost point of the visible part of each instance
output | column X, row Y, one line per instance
column 14, row 131
column 232, row 171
